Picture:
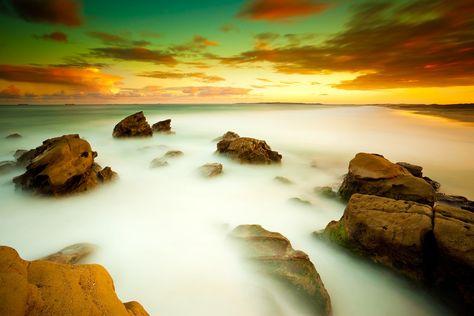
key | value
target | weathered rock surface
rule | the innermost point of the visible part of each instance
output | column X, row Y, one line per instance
column 7, row 166
column 134, row 125
column 71, row 254
column 211, row 169
column 455, row 200
column 46, row 288
column 374, row 175
column 62, row 165
column 247, row 150
column 415, row 170
column 14, row 135
column 162, row 126
column 273, row 255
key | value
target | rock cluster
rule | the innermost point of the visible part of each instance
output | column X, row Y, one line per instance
column 162, row 126
column 273, row 255
column 134, row 125
column 247, row 150
column 60, row 166
column 49, row 288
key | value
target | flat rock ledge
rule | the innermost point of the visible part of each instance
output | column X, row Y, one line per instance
column 61, row 166
column 48, row 288
column 433, row 245
column 271, row 253
column 134, row 125
column 247, row 150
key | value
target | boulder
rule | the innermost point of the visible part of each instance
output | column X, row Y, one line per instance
column 211, row 169
column 48, row 288
column 14, row 135
column 134, row 125
column 374, row 175
column 7, row 166
column 415, row 170
column 72, row 254
column 247, row 150
column 162, row 126
column 63, row 165
column 273, row 255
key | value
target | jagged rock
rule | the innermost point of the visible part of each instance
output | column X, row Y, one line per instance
column 326, row 191
column 247, row 150
column 273, row 255
column 211, row 169
column 283, row 180
column 415, row 170
column 162, row 126
column 48, row 288
column 374, row 175
column 173, row 154
column 456, row 201
column 72, row 254
column 63, row 165
column 7, row 166
column 14, row 135
column 23, row 157
column 300, row 201
column 134, row 125
column 228, row 135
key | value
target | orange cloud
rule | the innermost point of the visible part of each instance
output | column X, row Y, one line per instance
column 278, row 10
column 54, row 36
column 181, row 75
column 197, row 45
column 10, row 92
column 135, row 54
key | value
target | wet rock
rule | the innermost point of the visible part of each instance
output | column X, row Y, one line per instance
column 283, row 180
column 14, row 135
column 247, row 150
column 162, row 126
column 7, row 166
column 158, row 162
column 374, row 175
column 326, row 191
column 273, row 255
column 455, row 201
column 211, row 169
column 47, row 288
column 23, row 157
column 134, row 125
column 415, row 170
column 72, row 254
column 228, row 135
column 63, row 165
column 173, row 154
column 300, row 201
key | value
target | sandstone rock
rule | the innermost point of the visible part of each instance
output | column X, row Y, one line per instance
column 415, row 170
column 455, row 201
column 72, row 254
column 14, row 135
column 46, row 288
column 247, row 150
column 134, row 125
column 374, row 175
column 7, row 166
column 63, row 165
column 211, row 169
column 326, row 191
column 434, row 184
column 162, row 126
column 283, row 180
column 273, row 255
column 135, row 309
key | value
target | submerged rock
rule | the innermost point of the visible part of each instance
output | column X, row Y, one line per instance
column 299, row 200
column 283, row 180
column 273, row 255
column 173, row 154
column 158, row 162
column 14, row 135
column 162, row 126
column 134, row 125
column 47, row 288
column 211, row 169
column 247, row 150
column 374, row 175
column 7, row 166
column 63, row 165
column 72, row 254
column 326, row 191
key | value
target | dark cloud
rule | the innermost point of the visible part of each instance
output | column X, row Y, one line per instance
column 108, row 38
column 65, row 12
column 78, row 62
column 419, row 44
column 135, row 54
column 278, row 10
column 182, row 75
column 197, row 45
column 54, row 36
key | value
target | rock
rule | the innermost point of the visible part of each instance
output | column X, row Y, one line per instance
column 173, row 154
column 14, row 135
column 134, row 125
column 48, row 288
column 454, row 235
column 23, row 157
column 72, row 254
column 63, row 165
column 247, row 150
column 326, row 191
column 300, row 201
column 135, row 309
column 7, row 166
column 162, row 126
column 273, row 255
column 434, row 184
column 415, row 170
column 374, row 175
column 228, row 135
column 283, row 180
column 158, row 162
column 211, row 169
column 455, row 200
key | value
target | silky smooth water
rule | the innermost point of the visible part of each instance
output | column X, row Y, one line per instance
column 161, row 233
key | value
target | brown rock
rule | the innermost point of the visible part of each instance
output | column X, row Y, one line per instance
column 455, row 201
column 415, row 170
column 326, row 191
column 72, row 254
column 247, row 150
column 63, row 165
column 46, row 288
column 158, row 162
column 173, row 153
column 162, row 126
column 14, row 135
column 228, row 135
column 134, row 125
column 374, row 175
column 273, row 255
column 283, row 180
column 23, row 157
column 211, row 169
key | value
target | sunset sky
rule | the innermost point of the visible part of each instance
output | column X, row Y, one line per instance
column 225, row 51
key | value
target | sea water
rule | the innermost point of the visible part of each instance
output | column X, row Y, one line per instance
column 161, row 233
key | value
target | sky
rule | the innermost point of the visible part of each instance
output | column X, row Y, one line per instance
column 228, row 51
